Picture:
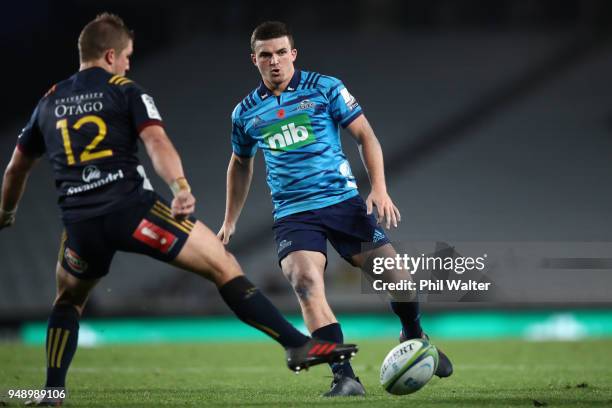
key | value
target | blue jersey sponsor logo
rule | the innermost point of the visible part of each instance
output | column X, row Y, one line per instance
column 288, row 134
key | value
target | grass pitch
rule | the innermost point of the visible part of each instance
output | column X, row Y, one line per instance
column 487, row 373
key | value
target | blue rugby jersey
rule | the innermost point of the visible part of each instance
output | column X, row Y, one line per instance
column 298, row 132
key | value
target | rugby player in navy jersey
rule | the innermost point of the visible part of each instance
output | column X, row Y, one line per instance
column 89, row 126
column 294, row 116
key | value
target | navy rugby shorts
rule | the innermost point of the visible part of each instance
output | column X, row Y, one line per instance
column 346, row 225
column 87, row 247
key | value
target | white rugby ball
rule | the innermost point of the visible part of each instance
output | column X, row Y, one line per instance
column 408, row 367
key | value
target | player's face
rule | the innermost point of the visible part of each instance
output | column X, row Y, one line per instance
column 274, row 58
column 121, row 63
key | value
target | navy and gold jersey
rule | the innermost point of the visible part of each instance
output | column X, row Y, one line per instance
column 88, row 125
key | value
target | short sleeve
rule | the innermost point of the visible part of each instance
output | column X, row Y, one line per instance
column 343, row 106
column 242, row 144
column 31, row 141
column 142, row 108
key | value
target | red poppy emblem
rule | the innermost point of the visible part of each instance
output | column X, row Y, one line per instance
column 280, row 113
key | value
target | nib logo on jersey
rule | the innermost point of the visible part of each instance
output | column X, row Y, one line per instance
column 289, row 134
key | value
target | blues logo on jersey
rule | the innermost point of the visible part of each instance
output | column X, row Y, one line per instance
column 298, row 133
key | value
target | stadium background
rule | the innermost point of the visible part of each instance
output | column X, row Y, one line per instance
column 495, row 121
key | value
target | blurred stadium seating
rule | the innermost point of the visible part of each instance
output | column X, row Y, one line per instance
column 489, row 135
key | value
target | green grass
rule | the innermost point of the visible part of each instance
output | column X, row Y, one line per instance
column 487, row 373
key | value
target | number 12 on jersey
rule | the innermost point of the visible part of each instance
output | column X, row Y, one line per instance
column 87, row 154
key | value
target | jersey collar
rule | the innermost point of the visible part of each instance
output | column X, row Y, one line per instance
column 264, row 92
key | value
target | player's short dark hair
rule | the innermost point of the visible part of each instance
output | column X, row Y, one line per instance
column 104, row 32
column 270, row 30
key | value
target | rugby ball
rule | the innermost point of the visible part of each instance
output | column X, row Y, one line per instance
column 408, row 367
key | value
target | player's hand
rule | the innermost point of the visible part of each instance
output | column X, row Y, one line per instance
column 183, row 205
column 226, row 232
column 7, row 218
column 386, row 211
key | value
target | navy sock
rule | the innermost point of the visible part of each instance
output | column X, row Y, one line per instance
column 333, row 332
column 253, row 308
column 62, row 339
column 410, row 316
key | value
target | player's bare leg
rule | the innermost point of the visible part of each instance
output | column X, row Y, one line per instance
column 305, row 270
column 405, row 304
column 63, row 328
column 71, row 290
column 364, row 261
column 205, row 255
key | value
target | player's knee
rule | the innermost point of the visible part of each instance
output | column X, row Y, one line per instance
column 68, row 298
column 304, row 283
column 225, row 269
column 79, row 308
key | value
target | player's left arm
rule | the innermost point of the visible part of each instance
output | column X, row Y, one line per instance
column 372, row 156
column 166, row 160
column 167, row 164
column 13, row 185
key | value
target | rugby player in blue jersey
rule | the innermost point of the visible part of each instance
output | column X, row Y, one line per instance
column 294, row 118
column 89, row 125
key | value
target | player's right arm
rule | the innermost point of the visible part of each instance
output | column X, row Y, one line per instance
column 239, row 176
column 13, row 185
column 30, row 146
